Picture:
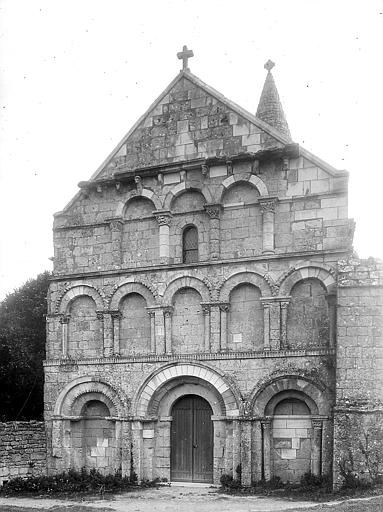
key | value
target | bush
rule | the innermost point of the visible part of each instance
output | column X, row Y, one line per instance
column 229, row 483
column 73, row 481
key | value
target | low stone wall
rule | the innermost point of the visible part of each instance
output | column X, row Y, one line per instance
column 22, row 449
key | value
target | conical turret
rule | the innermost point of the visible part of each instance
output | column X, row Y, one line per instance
column 270, row 108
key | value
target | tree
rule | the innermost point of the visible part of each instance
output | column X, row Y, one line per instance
column 22, row 350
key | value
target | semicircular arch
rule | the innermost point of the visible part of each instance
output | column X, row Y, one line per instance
column 78, row 291
column 254, row 181
column 309, row 271
column 186, row 282
column 244, row 278
column 145, row 193
column 290, row 385
column 157, row 382
column 94, row 388
column 183, row 187
column 127, row 288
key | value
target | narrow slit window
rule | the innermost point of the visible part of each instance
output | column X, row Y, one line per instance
column 190, row 245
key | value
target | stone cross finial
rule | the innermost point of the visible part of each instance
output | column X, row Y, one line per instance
column 185, row 55
column 269, row 65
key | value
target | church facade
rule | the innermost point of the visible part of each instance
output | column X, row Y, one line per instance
column 192, row 316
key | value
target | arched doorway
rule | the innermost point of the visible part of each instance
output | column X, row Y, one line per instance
column 191, row 440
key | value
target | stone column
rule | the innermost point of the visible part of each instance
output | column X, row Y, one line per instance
column 168, row 311
column 116, row 228
column 215, row 328
column 100, row 318
column 206, row 316
column 257, row 462
column 284, row 304
column 64, row 321
column 316, row 459
column 268, row 209
column 266, row 323
column 108, row 334
column 224, row 309
column 159, row 323
column 126, row 447
column 266, row 443
column 236, row 446
column 331, row 303
column 116, row 316
column 57, row 437
column 152, row 316
column 246, row 452
column 164, row 220
column 162, row 447
column 214, row 212
column 137, row 448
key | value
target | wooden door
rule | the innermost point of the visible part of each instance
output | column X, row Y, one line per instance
column 191, row 450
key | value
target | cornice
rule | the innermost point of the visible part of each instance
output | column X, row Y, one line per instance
column 204, row 264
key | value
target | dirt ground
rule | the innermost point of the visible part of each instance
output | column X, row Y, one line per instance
column 185, row 499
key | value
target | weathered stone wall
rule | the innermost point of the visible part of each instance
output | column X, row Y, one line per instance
column 359, row 401
column 22, row 449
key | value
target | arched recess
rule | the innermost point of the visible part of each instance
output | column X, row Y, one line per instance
column 186, row 282
column 93, row 388
column 305, row 271
column 145, row 192
column 253, row 180
column 246, row 319
column 244, row 278
column 314, row 394
column 137, row 208
column 77, row 291
column 154, row 389
column 125, row 289
column 183, row 186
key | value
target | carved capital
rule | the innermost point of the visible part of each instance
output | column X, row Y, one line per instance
column 168, row 311
column 116, row 225
column 100, row 315
column 224, row 307
column 266, row 423
column 206, row 309
column 268, row 205
column 286, row 163
column 115, row 314
column 151, row 313
column 213, row 210
column 64, row 319
column 229, row 165
column 164, row 218
column 317, row 424
column 284, row 304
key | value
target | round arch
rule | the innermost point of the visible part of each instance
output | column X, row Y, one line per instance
column 186, row 282
column 253, row 180
column 77, row 291
column 314, row 394
column 244, row 278
column 145, row 192
column 156, row 386
column 182, row 187
column 125, row 289
column 307, row 271
column 82, row 389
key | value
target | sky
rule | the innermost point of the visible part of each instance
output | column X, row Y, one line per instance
column 75, row 75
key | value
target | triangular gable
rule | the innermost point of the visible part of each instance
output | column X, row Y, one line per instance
column 191, row 120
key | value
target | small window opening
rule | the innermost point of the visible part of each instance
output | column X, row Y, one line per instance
column 190, row 245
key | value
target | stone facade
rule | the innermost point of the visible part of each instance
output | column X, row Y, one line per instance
column 241, row 313
column 359, row 388
column 23, row 450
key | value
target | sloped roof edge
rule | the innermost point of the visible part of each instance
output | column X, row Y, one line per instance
column 232, row 105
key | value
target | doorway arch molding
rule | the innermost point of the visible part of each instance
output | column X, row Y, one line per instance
column 211, row 385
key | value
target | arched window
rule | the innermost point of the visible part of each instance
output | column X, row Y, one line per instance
column 190, row 245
